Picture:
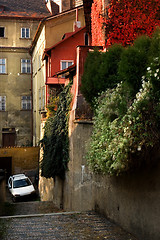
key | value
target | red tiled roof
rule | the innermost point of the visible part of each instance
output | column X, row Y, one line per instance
column 24, row 8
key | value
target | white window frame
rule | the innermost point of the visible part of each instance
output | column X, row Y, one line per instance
column 4, row 32
column 2, row 103
column 2, row 65
column 25, row 66
column 26, row 103
column 67, row 65
column 24, row 33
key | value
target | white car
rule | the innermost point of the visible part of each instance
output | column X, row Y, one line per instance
column 19, row 186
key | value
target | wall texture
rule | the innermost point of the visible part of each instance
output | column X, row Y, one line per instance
column 23, row 160
column 132, row 201
column 2, row 190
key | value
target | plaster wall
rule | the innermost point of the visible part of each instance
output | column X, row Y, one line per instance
column 38, row 86
column 132, row 200
column 46, row 189
column 64, row 23
column 24, row 160
column 66, row 51
column 13, row 32
column 14, row 84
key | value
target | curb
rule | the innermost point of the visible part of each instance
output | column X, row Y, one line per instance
column 39, row 215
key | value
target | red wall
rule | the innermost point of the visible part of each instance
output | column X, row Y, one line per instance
column 66, row 50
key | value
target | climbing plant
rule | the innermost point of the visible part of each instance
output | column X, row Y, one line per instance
column 122, row 21
column 55, row 142
column 128, row 19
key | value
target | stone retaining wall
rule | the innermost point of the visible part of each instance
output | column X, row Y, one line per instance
column 132, row 201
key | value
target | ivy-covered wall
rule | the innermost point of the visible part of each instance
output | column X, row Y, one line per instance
column 122, row 21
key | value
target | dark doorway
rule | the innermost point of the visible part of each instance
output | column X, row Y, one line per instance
column 8, row 137
column 6, row 164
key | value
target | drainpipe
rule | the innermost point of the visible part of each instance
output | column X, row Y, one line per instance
column 47, row 65
column 76, row 14
column 31, row 101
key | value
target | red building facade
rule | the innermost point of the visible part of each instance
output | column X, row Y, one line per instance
column 62, row 56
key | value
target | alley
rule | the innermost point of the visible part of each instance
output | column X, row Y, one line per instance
column 60, row 225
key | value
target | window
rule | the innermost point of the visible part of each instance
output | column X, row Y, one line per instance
column 26, row 102
column 39, row 61
column 65, row 64
column 2, row 65
column 25, row 66
column 2, row 103
column 2, row 32
column 25, row 33
column 86, row 39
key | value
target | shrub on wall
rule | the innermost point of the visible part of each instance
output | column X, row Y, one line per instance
column 100, row 72
column 133, row 64
column 55, row 142
column 126, row 128
column 105, row 69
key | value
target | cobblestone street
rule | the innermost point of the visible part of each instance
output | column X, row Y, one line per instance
column 55, row 226
column 36, row 220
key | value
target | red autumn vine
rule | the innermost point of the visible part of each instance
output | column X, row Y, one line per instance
column 98, row 36
column 126, row 20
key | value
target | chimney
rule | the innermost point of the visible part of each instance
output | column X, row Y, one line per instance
column 77, row 24
column 48, row 5
column 59, row 3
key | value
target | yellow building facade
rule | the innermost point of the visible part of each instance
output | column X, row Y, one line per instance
column 18, row 24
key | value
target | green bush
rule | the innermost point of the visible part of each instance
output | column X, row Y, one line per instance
column 105, row 70
column 100, row 72
column 133, row 65
column 127, row 117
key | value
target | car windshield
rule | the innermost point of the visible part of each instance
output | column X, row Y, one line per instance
column 21, row 183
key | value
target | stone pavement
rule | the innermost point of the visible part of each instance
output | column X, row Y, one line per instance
column 62, row 226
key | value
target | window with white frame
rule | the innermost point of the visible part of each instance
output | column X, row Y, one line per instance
column 25, row 66
column 2, row 103
column 25, row 33
column 2, row 65
column 65, row 64
column 26, row 102
column 2, row 32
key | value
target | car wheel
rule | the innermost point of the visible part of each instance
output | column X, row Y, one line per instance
column 13, row 199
